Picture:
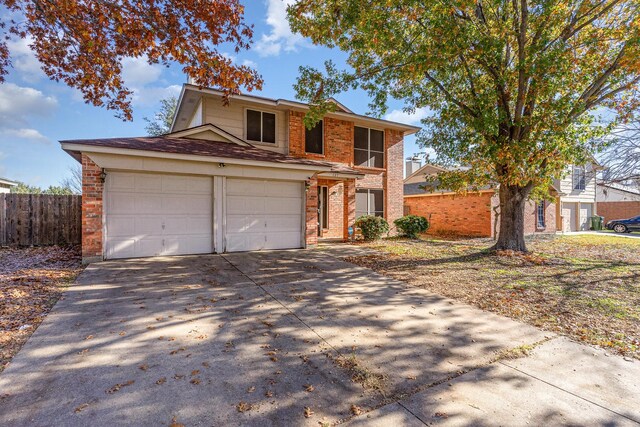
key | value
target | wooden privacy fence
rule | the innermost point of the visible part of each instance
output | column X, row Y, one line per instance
column 40, row 219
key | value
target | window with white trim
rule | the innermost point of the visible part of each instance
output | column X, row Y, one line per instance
column 261, row 126
column 368, row 147
column 369, row 202
column 579, row 178
column 541, row 214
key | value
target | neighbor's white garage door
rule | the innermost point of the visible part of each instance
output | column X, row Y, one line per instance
column 153, row 214
column 263, row 214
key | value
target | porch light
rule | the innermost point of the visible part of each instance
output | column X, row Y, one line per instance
column 221, row 165
column 103, row 175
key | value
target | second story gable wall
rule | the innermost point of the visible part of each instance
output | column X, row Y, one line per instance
column 232, row 118
column 566, row 186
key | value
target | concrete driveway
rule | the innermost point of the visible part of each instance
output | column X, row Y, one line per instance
column 295, row 338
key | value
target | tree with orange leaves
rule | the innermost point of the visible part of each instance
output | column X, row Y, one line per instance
column 83, row 42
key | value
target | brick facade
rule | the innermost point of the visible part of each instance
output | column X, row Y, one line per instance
column 465, row 215
column 618, row 210
column 473, row 214
column 393, row 183
column 338, row 147
column 311, row 229
column 92, row 189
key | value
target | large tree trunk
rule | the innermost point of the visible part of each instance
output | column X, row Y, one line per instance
column 512, row 203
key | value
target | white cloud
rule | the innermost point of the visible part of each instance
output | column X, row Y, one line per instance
column 150, row 96
column 137, row 72
column 24, row 60
column 18, row 103
column 401, row 116
column 26, row 133
column 280, row 36
column 249, row 63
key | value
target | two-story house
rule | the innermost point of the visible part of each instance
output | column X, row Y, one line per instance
column 577, row 200
column 241, row 177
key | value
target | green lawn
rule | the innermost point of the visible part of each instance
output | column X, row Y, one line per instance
column 585, row 286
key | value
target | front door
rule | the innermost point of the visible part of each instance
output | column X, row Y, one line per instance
column 323, row 213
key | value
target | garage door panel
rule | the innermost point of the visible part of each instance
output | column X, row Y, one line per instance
column 154, row 214
column 282, row 240
column 122, row 226
column 190, row 225
column 244, row 204
column 147, row 203
column 284, row 223
column 245, row 223
column 237, row 242
column 149, row 246
column 280, row 205
column 245, row 187
column 121, row 203
column 283, row 189
column 148, row 183
column 121, row 181
column 263, row 214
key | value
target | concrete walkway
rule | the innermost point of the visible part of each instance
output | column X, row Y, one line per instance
column 289, row 338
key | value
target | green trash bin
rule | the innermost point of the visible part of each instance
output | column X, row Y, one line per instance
column 596, row 222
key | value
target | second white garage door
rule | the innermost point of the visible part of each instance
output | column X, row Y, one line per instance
column 153, row 214
column 263, row 214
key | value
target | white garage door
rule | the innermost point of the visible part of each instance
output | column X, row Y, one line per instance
column 152, row 214
column 263, row 214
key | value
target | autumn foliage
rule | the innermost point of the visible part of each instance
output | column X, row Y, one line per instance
column 514, row 89
column 83, row 42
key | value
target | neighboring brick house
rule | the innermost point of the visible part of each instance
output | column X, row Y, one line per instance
column 475, row 213
column 246, row 176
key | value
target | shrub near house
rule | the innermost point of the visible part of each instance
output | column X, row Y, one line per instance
column 412, row 225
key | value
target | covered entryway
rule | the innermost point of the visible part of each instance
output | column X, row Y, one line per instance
column 263, row 214
column 153, row 214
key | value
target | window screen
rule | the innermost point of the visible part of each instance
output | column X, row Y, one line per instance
column 579, row 178
column 369, row 202
column 313, row 139
column 254, row 125
column 368, row 147
column 261, row 126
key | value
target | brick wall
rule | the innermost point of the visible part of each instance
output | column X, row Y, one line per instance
column 466, row 215
column 393, row 184
column 349, row 206
column 618, row 210
column 311, row 229
column 338, row 139
column 92, row 188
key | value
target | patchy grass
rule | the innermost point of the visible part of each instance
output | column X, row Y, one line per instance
column 584, row 286
column 31, row 282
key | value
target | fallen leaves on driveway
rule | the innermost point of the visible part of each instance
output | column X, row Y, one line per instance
column 117, row 387
column 31, row 282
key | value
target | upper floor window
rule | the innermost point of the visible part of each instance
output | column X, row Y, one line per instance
column 579, row 178
column 313, row 139
column 261, row 126
column 369, row 202
column 368, row 147
column 541, row 214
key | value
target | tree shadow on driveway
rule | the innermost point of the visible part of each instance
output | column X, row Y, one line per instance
column 242, row 339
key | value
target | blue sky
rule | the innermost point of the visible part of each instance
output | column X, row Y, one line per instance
column 35, row 113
